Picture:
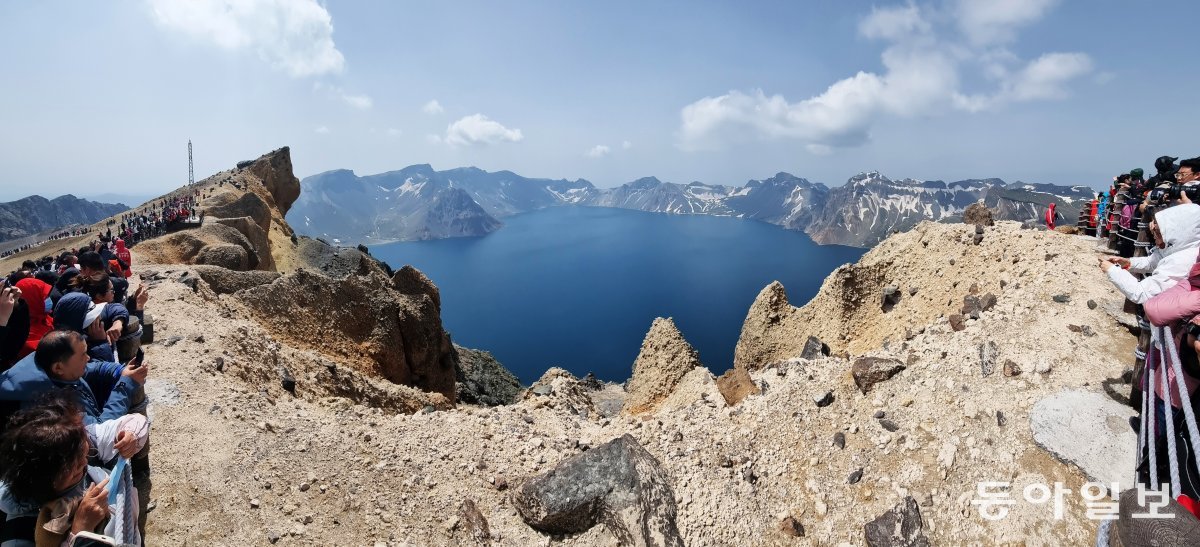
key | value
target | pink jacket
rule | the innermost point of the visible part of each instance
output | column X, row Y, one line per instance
column 1174, row 307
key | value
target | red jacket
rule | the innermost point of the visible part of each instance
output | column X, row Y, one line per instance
column 34, row 292
column 123, row 254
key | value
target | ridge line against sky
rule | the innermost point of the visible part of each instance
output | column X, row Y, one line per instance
column 1033, row 90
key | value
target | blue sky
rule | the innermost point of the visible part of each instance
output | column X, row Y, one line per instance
column 103, row 96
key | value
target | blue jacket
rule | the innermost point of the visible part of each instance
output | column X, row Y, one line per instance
column 103, row 392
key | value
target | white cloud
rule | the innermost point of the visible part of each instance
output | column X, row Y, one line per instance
column 394, row 132
column 626, row 145
column 295, row 36
column 598, row 151
column 1046, row 77
column 361, row 102
column 991, row 21
column 921, row 77
column 893, row 23
column 432, row 108
column 477, row 129
column 321, row 130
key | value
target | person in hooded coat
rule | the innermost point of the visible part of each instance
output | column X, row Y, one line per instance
column 36, row 294
column 1051, row 214
column 1177, row 235
column 124, row 256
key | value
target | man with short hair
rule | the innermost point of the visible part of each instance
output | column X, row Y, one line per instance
column 61, row 361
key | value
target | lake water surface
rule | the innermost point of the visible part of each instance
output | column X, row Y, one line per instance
column 577, row 287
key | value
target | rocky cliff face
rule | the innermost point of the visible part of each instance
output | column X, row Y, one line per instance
column 36, row 214
column 413, row 204
column 337, row 301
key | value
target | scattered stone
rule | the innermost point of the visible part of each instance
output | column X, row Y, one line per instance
column 1011, row 368
column 987, row 358
column 1091, row 304
column 855, row 476
column 219, row 364
column 977, row 239
column 951, row 261
column 1062, row 298
column 543, row 389
column 899, row 527
column 1051, row 256
column 1001, row 419
column 304, row 486
column 273, row 537
column 791, row 527
column 618, row 483
column 474, row 525
column 824, row 399
column 868, row 371
column 891, row 297
column 1087, row 429
column 287, row 380
column 839, row 440
column 254, row 503
column 987, row 302
column 958, row 322
column 971, row 306
column 912, row 291
column 889, row 425
column 199, row 338
column 814, row 348
column 879, row 414
column 171, row 341
column 736, row 385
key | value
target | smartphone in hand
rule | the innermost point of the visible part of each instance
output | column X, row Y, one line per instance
column 136, row 362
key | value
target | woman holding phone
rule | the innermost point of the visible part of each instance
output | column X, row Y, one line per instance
column 47, row 489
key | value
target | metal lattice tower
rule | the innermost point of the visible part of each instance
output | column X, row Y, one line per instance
column 191, row 177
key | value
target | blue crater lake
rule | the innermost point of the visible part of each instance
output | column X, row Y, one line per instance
column 577, row 287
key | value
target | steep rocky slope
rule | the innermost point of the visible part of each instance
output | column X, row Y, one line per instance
column 810, row 453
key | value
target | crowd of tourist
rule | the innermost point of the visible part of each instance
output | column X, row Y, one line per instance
column 153, row 219
column 73, row 432
column 63, row 234
column 1151, row 231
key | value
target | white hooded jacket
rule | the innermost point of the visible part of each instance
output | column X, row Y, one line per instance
column 1180, row 228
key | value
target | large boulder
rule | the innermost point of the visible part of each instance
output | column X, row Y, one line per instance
column 1090, row 430
column 618, row 484
column 257, row 237
column 224, row 255
column 226, row 281
column 238, row 204
column 190, row 246
column 663, row 361
column 363, row 319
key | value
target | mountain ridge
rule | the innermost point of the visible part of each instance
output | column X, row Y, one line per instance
column 35, row 214
column 390, row 206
